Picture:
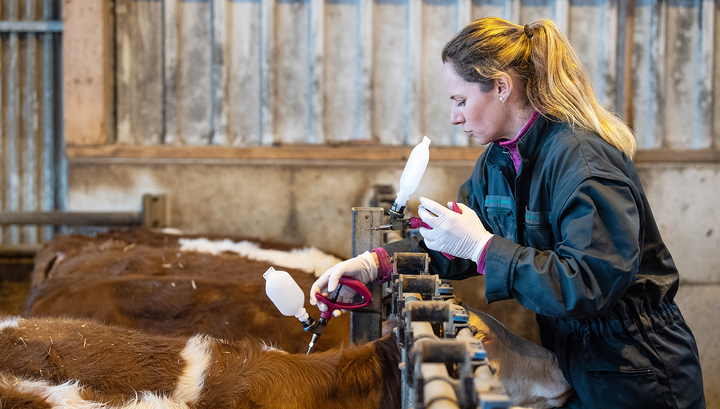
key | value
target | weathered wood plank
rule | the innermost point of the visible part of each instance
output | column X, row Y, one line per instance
column 316, row 57
column 388, row 99
column 140, row 72
column 195, row 84
column 649, row 74
column 433, row 100
column 363, row 125
column 266, row 154
column 682, row 117
column 87, row 73
column 413, row 65
column 706, row 73
column 342, row 79
column 716, row 80
column 270, row 154
column 292, row 118
column 170, row 72
column 218, row 87
column 267, row 81
column 593, row 34
column 243, row 61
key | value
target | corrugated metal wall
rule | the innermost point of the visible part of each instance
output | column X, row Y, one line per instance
column 263, row 72
column 32, row 161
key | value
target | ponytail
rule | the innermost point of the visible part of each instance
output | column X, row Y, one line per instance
column 555, row 80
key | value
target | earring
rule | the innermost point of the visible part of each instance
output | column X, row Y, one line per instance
column 502, row 99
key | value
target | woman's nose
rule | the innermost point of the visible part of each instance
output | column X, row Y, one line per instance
column 456, row 118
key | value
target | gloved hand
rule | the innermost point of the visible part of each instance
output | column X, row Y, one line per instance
column 458, row 234
column 363, row 268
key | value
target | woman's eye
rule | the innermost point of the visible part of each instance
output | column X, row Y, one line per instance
column 461, row 103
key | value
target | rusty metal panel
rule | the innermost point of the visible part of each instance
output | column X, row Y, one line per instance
column 30, row 178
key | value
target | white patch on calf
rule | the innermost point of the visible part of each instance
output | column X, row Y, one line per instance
column 308, row 259
column 67, row 396
column 152, row 401
column 9, row 322
column 197, row 357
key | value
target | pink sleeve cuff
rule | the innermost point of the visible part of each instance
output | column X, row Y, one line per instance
column 385, row 268
column 481, row 262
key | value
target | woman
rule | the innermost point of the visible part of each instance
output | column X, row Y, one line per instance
column 555, row 216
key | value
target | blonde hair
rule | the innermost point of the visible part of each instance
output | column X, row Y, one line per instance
column 556, row 83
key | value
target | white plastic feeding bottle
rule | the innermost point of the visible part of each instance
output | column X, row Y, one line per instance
column 285, row 293
column 413, row 172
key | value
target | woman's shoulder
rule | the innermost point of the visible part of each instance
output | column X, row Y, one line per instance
column 584, row 153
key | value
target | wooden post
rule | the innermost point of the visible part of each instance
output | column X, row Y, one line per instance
column 155, row 214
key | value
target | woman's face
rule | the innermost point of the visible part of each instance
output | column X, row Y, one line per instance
column 482, row 115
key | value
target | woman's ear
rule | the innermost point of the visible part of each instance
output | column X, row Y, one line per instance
column 503, row 86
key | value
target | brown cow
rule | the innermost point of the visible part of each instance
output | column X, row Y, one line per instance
column 141, row 279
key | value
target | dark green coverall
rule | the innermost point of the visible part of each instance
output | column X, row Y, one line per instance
column 575, row 242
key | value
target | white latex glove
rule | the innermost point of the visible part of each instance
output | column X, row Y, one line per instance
column 364, row 268
column 458, row 234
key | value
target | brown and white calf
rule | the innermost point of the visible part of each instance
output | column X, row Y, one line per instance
column 64, row 363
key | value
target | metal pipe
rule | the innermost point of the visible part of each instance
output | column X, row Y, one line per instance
column 439, row 392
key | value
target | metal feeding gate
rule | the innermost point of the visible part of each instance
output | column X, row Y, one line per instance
column 443, row 365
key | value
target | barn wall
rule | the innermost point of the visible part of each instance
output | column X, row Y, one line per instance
column 258, row 73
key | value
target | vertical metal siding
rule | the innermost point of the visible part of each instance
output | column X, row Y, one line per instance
column 32, row 175
column 262, row 72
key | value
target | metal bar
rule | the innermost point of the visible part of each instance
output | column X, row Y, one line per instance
column 365, row 324
column 60, row 218
column 51, row 26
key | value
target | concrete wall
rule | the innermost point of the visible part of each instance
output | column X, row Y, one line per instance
column 310, row 201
